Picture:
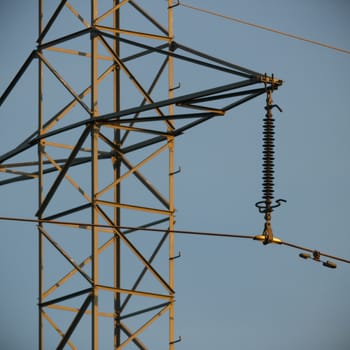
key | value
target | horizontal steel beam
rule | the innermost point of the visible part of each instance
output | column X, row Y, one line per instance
column 65, row 297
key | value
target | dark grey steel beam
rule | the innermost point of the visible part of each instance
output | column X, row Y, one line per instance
column 136, row 251
column 136, row 341
column 150, row 224
column 218, row 60
column 65, row 297
column 131, row 77
column 18, row 76
column 63, row 172
column 65, row 255
column 243, row 100
column 149, row 17
column 229, row 95
column 126, row 112
column 140, row 312
column 146, row 183
column 51, row 20
column 64, row 39
column 143, row 53
column 63, row 82
column 149, row 91
column 182, row 57
column 137, row 174
column 75, row 322
column 68, row 212
column 144, row 270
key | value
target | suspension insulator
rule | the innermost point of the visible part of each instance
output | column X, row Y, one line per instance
column 268, row 154
column 266, row 205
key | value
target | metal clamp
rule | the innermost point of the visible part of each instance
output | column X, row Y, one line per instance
column 176, row 341
column 174, row 5
column 176, row 256
column 175, row 87
column 176, row 171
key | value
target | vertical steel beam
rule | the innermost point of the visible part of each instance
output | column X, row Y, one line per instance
column 94, row 177
column 171, row 179
column 40, row 183
column 117, row 173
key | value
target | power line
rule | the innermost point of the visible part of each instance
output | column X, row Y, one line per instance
column 293, row 36
column 85, row 225
column 182, row 232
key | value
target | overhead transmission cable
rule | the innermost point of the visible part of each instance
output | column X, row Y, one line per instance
column 316, row 254
column 251, row 24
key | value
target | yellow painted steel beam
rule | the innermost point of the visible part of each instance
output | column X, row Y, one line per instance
column 62, row 173
column 71, row 273
column 137, row 174
column 118, row 126
column 131, row 171
column 75, row 310
column 83, row 226
column 133, row 33
column 64, row 146
column 134, row 207
column 128, row 332
column 77, row 14
column 117, row 249
column 135, row 292
column 63, row 82
column 41, row 182
column 145, row 182
column 18, row 172
column 142, row 328
column 133, row 79
column 144, row 270
column 135, row 251
column 94, row 180
column 171, row 143
column 77, row 53
column 65, row 254
column 110, row 11
column 56, row 118
column 68, row 177
column 57, row 329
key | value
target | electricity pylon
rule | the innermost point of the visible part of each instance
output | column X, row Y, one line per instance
column 108, row 113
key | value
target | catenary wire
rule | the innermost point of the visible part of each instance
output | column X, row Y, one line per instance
column 293, row 36
column 182, row 232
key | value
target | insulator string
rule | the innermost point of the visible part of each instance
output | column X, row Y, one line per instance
column 268, row 154
column 266, row 205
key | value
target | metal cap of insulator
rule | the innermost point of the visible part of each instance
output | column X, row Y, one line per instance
column 305, row 255
column 330, row 264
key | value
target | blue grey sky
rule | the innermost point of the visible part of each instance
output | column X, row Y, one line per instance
column 229, row 293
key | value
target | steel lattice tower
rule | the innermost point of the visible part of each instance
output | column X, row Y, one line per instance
column 103, row 154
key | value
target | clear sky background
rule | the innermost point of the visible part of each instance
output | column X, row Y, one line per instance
column 231, row 294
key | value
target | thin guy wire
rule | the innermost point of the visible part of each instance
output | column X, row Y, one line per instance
column 293, row 36
column 185, row 232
